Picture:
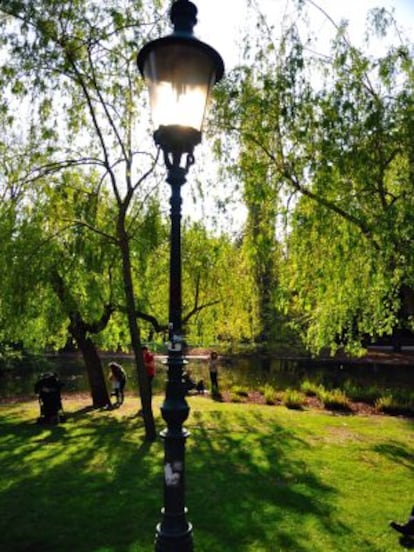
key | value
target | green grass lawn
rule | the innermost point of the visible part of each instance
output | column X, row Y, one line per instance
column 259, row 479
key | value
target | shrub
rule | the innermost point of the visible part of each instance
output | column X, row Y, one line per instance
column 310, row 389
column 236, row 398
column 386, row 404
column 269, row 394
column 239, row 394
column 362, row 394
column 402, row 405
column 240, row 390
column 293, row 399
column 335, row 400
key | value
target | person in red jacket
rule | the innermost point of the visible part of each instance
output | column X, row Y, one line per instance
column 149, row 363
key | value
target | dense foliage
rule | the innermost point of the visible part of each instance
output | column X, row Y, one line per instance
column 328, row 142
column 320, row 148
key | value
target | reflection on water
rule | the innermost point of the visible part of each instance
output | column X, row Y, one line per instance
column 17, row 378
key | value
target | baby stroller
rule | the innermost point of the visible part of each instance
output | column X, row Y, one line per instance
column 48, row 388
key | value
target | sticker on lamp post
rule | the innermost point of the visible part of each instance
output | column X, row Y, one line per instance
column 172, row 473
column 176, row 343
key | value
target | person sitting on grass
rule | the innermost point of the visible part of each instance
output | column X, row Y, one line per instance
column 191, row 385
column 406, row 529
column 188, row 382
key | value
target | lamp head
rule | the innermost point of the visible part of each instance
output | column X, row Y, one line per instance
column 180, row 72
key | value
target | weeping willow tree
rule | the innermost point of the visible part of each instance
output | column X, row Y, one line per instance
column 219, row 300
column 71, row 66
column 333, row 135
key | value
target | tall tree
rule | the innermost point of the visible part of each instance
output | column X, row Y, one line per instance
column 251, row 109
column 338, row 131
column 219, row 303
column 77, row 61
column 260, row 195
column 58, row 276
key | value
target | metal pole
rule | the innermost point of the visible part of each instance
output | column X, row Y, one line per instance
column 174, row 533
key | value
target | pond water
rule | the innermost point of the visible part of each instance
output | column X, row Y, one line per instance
column 17, row 378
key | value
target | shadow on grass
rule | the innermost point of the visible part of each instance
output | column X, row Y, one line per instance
column 217, row 397
column 80, row 412
column 407, row 543
column 85, row 485
column 397, row 453
column 257, row 481
column 94, row 485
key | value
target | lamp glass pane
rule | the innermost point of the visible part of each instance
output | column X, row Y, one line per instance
column 179, row 79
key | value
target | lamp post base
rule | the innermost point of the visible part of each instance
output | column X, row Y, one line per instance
column 174, row 542
column 174, row 533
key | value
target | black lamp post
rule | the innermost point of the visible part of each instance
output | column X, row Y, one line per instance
column 180, row 72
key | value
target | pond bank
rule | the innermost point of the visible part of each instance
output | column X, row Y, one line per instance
column 306, row 403
column 378, row 375
column 377, row 355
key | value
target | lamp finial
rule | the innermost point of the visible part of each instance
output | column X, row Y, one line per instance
column 183, row 16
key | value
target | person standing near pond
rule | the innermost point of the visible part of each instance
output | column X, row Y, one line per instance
column 213, row 368
column 149, row 363
column 117, row 377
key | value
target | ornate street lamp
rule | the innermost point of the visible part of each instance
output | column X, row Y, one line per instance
column 180, row 72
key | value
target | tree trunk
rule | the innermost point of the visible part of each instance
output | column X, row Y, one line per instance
column 143, row 381
column 407, row 303
column 97, row 384
column 79, row 330
column 265, row 283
